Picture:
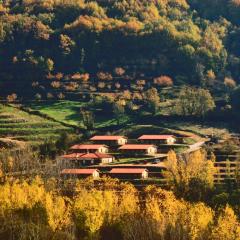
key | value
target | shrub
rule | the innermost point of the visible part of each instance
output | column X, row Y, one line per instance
column 104, row 76
column 127, row 95
column 50, row 96
column 38, row 97
column 141, row 82
column 55, row 84
column 83, row 77
column 59, row 76
column 92, row 89
column 229, row 82
column 50, row 76
column 119, row 71
column 163, row 81
column 117, row 85
column 137, row 96
column 12, row 97
column 109, row 86
column 61, row 96
column 101, row 85
column 35, row 84
column 72, row 86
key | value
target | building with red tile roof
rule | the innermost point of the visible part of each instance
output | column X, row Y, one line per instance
column 76, row 160
column 89, row 148
column 80, row 173
column 140, row 149
column 87, row 156
column 109, row 140
column 157, row 139
column 129, row 173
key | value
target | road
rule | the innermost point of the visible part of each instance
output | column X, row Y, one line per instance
column 194, row 147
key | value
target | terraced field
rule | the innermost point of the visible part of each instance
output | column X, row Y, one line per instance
column 69, row 112
column 19, row 125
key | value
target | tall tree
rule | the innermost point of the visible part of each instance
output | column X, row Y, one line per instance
column 118, row 110
column 152, row 100
column 194, row 102
column 183, row 171
column 87, row 119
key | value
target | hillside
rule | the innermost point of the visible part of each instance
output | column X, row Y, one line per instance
column 119, row 120
column 57, row 49
column 21, row 126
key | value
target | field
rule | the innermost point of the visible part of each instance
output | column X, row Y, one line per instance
column 19, row 125
column 69, row 112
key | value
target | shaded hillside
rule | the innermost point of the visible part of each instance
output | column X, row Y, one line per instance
column 55, row 39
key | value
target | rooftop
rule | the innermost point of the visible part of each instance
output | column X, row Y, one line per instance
column 155, row 137
column 87, row 146
column 86, row 171
column 86, row 156
column 128, row 170
column 136, row 146
column 107, row 138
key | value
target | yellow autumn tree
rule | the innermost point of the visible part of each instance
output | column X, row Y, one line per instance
column 227, row 227
column 163, row 207
column 182, row 171
column 91, row 208
column 194, row 222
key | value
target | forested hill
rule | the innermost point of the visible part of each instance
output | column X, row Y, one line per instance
column 193, row 42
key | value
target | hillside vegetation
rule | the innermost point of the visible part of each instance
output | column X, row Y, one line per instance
column 110, row 210
column 19, row 125
column 116, row 45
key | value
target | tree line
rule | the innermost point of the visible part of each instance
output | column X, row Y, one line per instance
column 34, row 209
column 150, row 38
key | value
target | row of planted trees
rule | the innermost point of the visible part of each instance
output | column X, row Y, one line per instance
column 107, row 210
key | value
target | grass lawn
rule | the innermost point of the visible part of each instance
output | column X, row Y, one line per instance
column 131, row 160
column 19, row 125
column 69, row 112
column 64, row 111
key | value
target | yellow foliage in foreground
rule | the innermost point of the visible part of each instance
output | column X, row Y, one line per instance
column 107, row 209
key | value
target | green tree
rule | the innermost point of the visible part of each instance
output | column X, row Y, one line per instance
column 118, row 110
column 152, row 100
column 194, row 102
column 87, row 119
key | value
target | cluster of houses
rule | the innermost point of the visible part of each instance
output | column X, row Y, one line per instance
column 102, row 151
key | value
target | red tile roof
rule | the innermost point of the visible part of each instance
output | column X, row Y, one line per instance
column 87, row 156
column 86, row 171
column 107, row 138
column 128, row 170
column 136, row 146
column 87, row 146
column 155, row 137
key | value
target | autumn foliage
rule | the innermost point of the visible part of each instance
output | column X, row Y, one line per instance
column 35, row 209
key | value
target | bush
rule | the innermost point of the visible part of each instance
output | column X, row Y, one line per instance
column 229, row 82
column 119, row 71
column 50, row 96
column 101, row 85
column 163, row 81
column 38, row 97
column 104, row 76
column 83, row 77
column 61, row 96
column 72, row 86
column 12, row 97
column 56, row 84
